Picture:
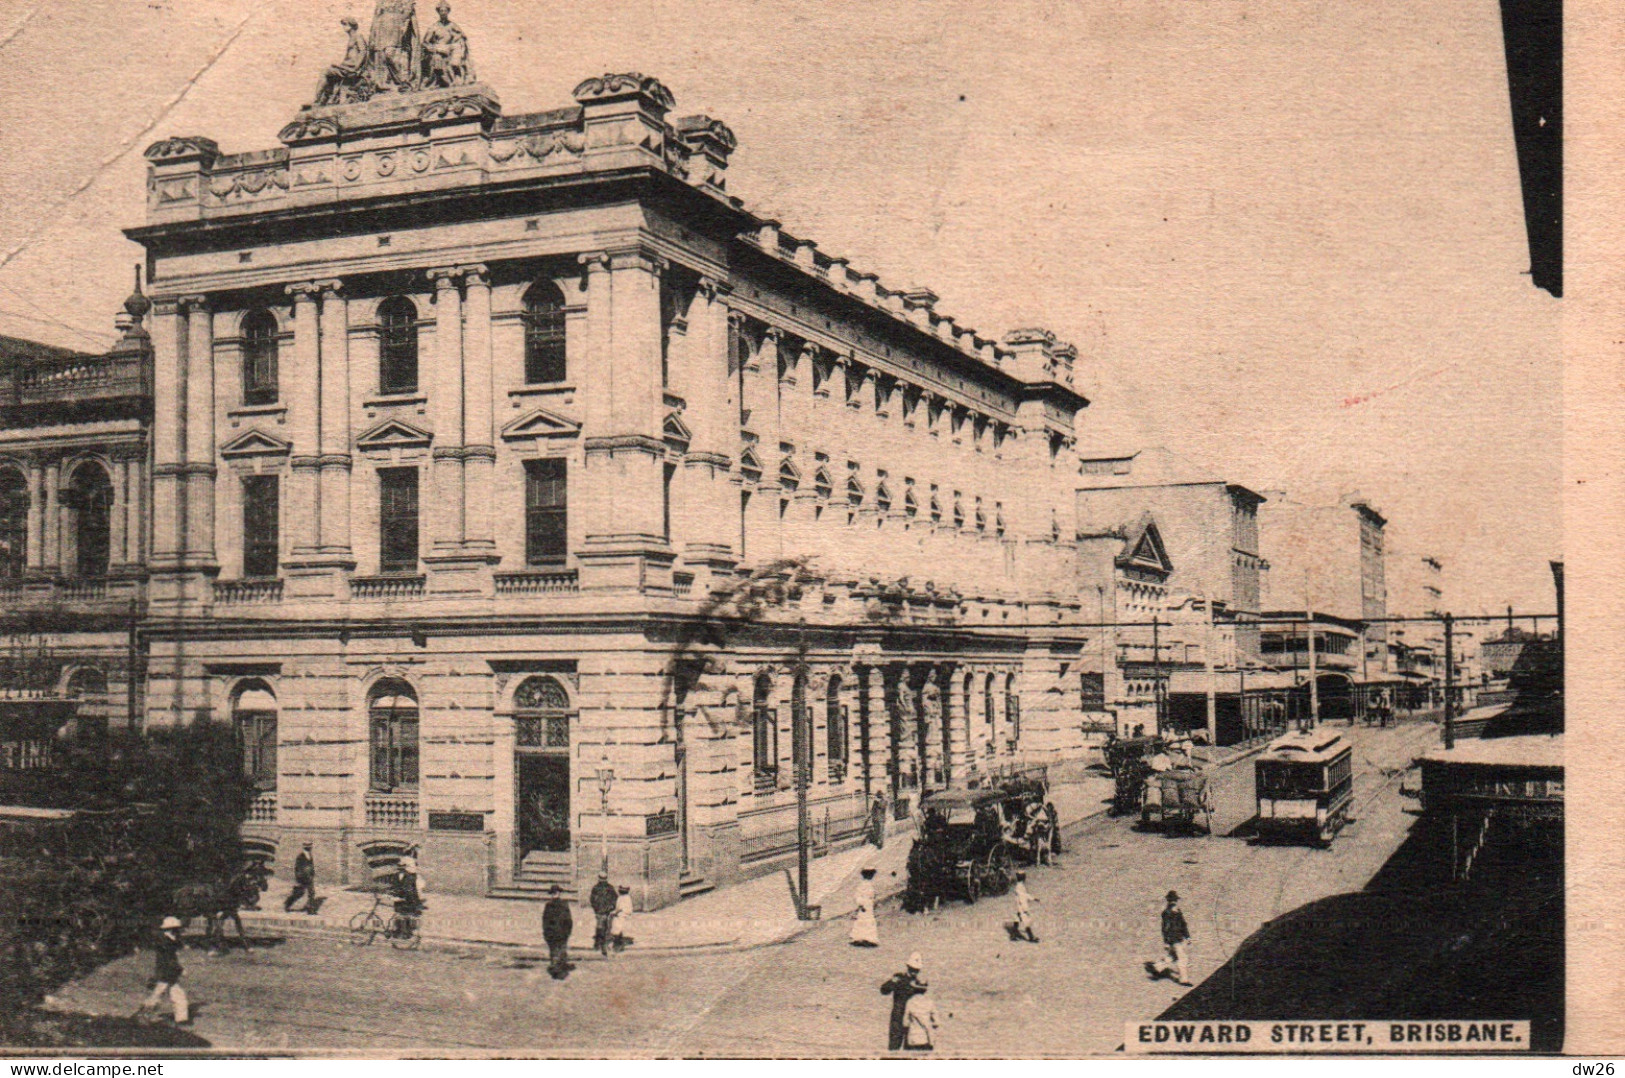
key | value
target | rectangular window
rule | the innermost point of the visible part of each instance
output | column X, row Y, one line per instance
column 261, row 518
column 1094, row 692
column 398, row 520
column 258, row 731
column 744, row 520
column 765, row 746
column 667, row 476
column 394, row 749
column 546, row 514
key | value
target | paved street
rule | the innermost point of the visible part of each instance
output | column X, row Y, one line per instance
column 1069, row 994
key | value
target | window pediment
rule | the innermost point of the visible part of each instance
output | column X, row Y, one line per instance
column 541, row 423
column 255, row 443
column 393, row 434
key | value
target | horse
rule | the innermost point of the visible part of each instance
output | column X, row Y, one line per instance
column 217, row 902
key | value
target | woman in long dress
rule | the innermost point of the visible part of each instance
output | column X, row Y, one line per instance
column 865, row 932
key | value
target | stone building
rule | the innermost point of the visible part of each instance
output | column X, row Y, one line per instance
column 74, row 438
column 526, row 498
column 1163, row 540
column 1331, row 559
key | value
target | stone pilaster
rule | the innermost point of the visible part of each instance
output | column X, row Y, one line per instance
column 118, row 554
column 334, row 440
column 304, row 412
column 168, row 434
column 200, row 440
column 956, row 724
column 624, row 547
column 445, row 390
column 479, row 452
column 51, row 558
column 710, row 534
column 36, row 514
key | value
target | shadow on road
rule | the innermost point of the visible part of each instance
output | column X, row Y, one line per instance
column 59, row 1029
column 1411, row 945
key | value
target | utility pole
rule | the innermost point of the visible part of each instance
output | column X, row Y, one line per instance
column 1212, row 703
column 1156, row 670
column 1314, row 677
column 1449, row 681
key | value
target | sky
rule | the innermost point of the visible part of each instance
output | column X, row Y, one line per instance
column 1286, row 237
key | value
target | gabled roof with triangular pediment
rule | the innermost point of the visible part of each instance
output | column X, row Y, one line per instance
column 255, row 443
column 393, row 434
column 541, row 423
column 1143, row 547
column 675, row 430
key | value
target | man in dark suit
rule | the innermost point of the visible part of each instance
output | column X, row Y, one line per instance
column 603, row 898
column 304, row 882
column 557, row 924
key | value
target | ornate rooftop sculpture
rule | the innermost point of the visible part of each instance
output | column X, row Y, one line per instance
column 396, row 56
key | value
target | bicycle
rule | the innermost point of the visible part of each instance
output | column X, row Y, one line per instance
column 401, row 930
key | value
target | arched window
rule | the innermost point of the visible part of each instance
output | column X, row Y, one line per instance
column 392, row 713
column 981, row 517
column 936, row 510
column 988, row 714
column 836, row 728
column 259, row 332
column 959, row 512
column 90, row 500
column 822, row 485
column 764, row 735
column 253, row 713
column 854, row 493
column 788, row 479
column 541, row 714
column 883, row 499
column 13, row 523
column 911, row 506
column 544, row 334
column 398, row 345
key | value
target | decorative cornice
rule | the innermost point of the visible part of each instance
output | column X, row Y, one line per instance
column 183, row 147
column 610, row 87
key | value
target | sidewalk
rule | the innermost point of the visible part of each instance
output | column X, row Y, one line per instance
column 751, row 914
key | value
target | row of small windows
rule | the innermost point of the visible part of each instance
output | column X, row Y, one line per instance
column 546, row 519
column 790, row 481
column 392, row 728
column 88, row 497
column 399, row 324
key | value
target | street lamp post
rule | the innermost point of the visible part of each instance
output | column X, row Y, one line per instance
column 606, row 779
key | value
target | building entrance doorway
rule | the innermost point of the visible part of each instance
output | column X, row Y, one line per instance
column 541, row 770
column 544, row 802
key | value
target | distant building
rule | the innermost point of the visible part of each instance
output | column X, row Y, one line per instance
column 1330, row 559
column 1163, row 539
column 74, row 440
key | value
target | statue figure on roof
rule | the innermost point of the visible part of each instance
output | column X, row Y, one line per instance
column 346, row 80
column 396, row 46
column 445, row 48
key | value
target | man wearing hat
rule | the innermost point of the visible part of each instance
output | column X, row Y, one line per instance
column 166, row 974
column 603, row 898
column 557, row 924
column 409, row 888
column 1176, row 936
column 304, row 882
column 902, row 987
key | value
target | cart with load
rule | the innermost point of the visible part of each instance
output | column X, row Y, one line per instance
column 1178, row 796
column 961, row 851
column 1128, row 759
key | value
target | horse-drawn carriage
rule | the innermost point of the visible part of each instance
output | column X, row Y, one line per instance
column 970, row 841
column 1129, row 761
